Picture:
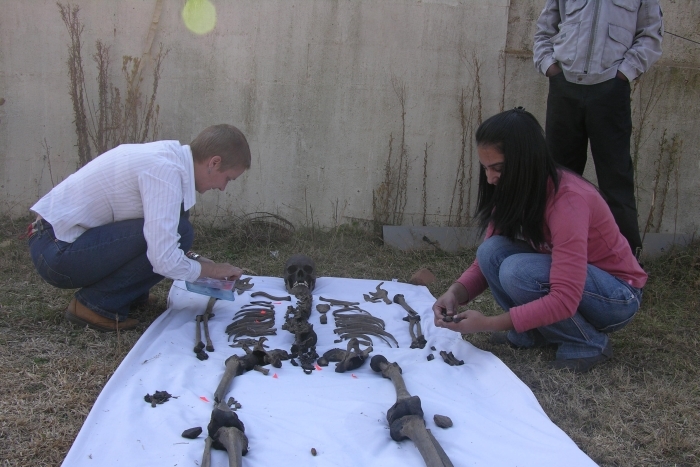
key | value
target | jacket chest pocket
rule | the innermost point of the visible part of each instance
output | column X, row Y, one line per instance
column 619, row 40
column 565, row 44
column 572, row 6
column 629, row 5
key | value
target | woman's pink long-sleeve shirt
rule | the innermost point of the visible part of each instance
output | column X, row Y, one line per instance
column 579, row 230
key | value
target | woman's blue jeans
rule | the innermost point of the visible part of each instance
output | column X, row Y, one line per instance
column 517, row 274
column 107, row 263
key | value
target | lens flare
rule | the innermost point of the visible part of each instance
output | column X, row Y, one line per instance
column 199, row 16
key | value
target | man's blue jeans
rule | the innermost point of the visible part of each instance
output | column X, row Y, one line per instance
column 516, row 275
column 107, row 263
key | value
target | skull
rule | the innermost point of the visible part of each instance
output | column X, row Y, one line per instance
column 299, row 269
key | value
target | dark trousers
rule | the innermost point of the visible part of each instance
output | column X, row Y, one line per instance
column 107, row 263
column 600, row 113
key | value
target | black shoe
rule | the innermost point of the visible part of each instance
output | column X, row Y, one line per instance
column 585, row 364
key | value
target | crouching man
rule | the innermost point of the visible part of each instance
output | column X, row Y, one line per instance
column 120, row 224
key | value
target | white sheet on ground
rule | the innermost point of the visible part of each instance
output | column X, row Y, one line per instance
column 497, row 419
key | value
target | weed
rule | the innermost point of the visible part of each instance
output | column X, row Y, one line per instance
column 389, row 198
column 108, row 122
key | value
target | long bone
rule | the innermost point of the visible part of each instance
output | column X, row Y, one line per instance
column 206, row 457
column 405, row 417
column 417, row 339
column 234, row 367
column 205, row 321
column 227, row 432
column 253, row 360
column 198, row 344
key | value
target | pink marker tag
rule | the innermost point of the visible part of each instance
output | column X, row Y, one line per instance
column 353, row 375
column 317, row 367
column 204, row 398
column 275, row 376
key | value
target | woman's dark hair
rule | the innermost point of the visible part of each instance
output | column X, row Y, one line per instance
column 516, row 204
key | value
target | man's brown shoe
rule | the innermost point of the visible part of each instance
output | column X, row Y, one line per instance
column 144, row 301
column 82, row 316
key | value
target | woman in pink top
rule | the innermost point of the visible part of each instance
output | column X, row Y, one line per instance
column 553, row 255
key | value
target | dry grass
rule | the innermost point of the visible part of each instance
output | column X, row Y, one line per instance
column 640, row 409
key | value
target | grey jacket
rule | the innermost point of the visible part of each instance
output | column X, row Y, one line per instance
column 592, row 40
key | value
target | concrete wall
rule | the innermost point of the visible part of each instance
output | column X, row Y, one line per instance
column 316, row 86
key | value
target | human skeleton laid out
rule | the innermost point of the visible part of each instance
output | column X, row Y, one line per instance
column 255, row 320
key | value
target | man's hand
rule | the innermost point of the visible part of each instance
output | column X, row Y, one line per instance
column 622, row 76
column 554, row 69
column 219, row 270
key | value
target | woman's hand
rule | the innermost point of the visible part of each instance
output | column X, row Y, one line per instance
column 448, row 302
column 472, row 321
column 445, row 305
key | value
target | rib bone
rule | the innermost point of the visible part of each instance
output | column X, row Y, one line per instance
column 335, row 302
column 271, row 297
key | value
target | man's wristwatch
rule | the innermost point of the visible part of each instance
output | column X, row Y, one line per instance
column 192, row 255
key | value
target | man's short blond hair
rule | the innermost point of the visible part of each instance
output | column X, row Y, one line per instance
column 225, row 141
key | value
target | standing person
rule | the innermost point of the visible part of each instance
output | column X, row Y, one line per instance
column 590, row 50
column 553, row 256
column 117, row 226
